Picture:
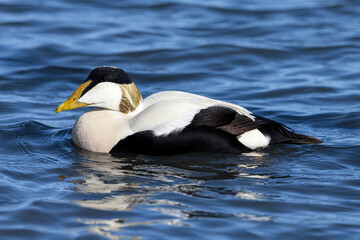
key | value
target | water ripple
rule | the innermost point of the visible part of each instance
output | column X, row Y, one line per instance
column 292, row 61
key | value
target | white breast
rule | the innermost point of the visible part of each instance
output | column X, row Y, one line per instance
column 99, row 130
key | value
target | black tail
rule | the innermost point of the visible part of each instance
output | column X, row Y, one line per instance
column 298, row 138
column 281, row 134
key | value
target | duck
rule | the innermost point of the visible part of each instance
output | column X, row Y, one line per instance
column 167, row 122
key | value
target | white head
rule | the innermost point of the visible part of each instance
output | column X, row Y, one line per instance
column 104, row 95
column 105, row 87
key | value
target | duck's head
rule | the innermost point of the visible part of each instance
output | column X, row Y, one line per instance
column 105, row 87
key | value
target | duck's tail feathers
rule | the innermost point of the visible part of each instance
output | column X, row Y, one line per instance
column 298, row 138
column 279, row 133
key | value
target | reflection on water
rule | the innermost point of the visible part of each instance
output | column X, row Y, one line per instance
column 123, row 184
column 113, row 227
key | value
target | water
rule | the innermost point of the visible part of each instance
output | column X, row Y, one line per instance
column 293, row 61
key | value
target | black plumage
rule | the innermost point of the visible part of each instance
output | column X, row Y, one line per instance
column 190, row 139
column 230, row 121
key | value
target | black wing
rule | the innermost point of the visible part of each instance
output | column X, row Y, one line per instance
column 228, row 120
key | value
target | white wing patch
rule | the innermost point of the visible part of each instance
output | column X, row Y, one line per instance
column 175, row 124
column 254, row 139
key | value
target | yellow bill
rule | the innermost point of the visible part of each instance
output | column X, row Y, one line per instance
column 72, row 101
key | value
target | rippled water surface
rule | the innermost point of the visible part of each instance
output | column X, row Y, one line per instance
column 297, row 62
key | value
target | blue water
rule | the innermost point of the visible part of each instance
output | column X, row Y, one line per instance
column 297, row 62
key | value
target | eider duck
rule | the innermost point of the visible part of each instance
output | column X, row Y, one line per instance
column 165, row 123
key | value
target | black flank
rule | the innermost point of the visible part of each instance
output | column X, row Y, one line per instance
column 190, row 139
